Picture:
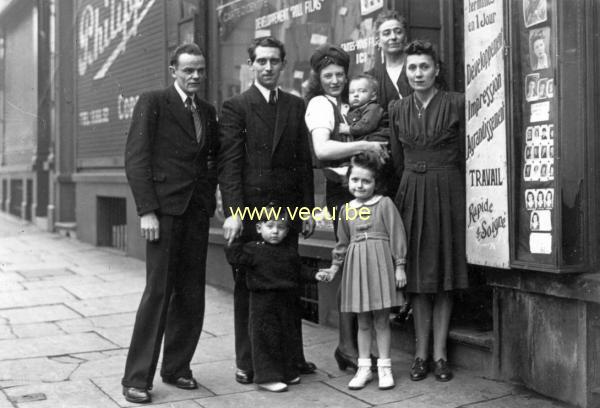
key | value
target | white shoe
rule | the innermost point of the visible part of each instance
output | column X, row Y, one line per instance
column 293, row 381
column 384, row 372
column 363, row 375
column 274, row 386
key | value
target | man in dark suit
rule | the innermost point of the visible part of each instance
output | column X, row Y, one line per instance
column 264, row 157
column 168, row 162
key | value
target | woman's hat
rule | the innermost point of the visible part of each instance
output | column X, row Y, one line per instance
column 328, row 54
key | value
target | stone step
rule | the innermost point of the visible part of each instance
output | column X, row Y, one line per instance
column 468, row 347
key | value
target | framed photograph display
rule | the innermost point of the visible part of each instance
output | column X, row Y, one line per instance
column 548, row 208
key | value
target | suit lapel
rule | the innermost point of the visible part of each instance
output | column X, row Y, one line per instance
column 181, row 114
column 283, row 110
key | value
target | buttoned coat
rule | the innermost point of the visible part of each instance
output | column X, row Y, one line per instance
column 260, row 161
column 170, row 174
column 164, row 162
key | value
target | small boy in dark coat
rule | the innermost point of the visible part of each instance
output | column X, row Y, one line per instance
column 274, row 273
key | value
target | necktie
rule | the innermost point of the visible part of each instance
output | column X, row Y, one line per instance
column 272, row 97
column 197, row 122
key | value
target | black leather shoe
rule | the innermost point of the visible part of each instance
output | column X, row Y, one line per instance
column 137, row 395
column 344, row 361
column 419, row 369
column 243, row 376
column 306, row 367
column 182, row 382
column 442, row 371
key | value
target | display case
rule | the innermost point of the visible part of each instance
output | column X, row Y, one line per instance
column 550, row 147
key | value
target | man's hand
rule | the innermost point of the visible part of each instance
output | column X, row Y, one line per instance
column 308, row 227
column 149, row 226
column 232, row 228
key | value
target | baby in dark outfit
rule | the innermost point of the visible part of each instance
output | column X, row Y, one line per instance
column 363, row 119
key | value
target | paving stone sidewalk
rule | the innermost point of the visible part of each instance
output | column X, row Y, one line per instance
column 66, row 315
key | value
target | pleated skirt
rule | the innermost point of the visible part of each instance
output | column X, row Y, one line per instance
column 368, row 280
column 432, row 206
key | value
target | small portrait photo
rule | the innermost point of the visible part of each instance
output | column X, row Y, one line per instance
column 551, row 131
column 536, row 133
column 539, row 200
column 550, row 87
column 534, row 12
column 529, row 200
column 541, row 91
column 536, row 152
column 551, row 152
column 544, row 132
column 534, row 223
column 544, row 172
column 551, row 172
column 531, row 87
column 539, row 48
column 527, row 152
column 535, row 172
column 549, row 200
column 544, row 152
column 527, row 172
column 529, row 134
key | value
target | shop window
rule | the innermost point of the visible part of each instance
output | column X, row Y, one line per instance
column 550, row 213
column 16, row 197
column 309, row 295
column 112, row 222
column 4, row 195
column 28, row 200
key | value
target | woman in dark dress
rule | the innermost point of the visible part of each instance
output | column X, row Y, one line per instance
column 391, row 37
column 428, row 140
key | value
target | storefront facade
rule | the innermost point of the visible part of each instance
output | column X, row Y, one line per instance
column 24, row 110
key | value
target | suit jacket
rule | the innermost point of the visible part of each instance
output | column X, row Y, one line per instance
column 254, row 170
column 166, row 167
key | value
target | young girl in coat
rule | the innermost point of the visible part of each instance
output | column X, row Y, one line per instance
column 371, row 249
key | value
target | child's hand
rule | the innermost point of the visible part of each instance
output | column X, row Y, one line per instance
column 326, row 275
column 322, row 276
column 400, row 276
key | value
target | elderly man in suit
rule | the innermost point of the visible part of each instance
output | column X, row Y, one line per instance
column 264, row 157
column 169, row 166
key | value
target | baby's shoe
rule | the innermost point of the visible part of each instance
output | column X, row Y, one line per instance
column 273, row 386
column 363, row 375
column 384, row 372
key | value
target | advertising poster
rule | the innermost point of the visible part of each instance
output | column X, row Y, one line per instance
column 119, row 54
column 485, row 150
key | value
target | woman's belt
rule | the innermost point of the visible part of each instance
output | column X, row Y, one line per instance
column 425, row 166
column 364, row 236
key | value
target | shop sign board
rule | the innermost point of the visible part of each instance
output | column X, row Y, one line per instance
column 119, row 54
column 487, row 214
